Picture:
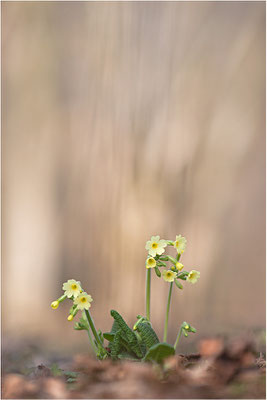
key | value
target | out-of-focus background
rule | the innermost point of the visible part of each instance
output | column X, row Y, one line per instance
column 120, row 121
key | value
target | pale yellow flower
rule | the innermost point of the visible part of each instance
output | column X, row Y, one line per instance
column 72, row 288
column 169, row 275
column 193, row 276
column 83, row 301
column 180, row 244
column 155, row 246
column 179, row 266
column 151, row 262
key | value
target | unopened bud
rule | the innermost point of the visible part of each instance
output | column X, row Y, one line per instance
column 70, row 317
column 55, row 304
column 179, row 266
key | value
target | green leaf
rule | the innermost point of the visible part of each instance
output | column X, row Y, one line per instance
column 109, row 336
column 158, row 352
column 127, row 334
column 148, row 335
column 127, row 356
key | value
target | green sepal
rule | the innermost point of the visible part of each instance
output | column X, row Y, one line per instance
column 186, row 327
column 164, row 258
column 178, row 284
column 157, row 271
column 82, row 325
column 62, row 298
column 159, row 352
column 161, row 264
column 173, row 260
column 183, row 275
column 169, row 242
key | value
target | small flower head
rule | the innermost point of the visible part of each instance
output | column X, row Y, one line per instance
column 180, row 244
column 70, row 317
column 168, row 275
column 83, row 301
column 55, row 304
column 179, row 266
column 187, row 328
column 155, row 246
column 72, row 288
column 193, row 276
column 151, row 262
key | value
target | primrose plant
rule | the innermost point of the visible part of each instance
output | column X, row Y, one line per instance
column 140, row 343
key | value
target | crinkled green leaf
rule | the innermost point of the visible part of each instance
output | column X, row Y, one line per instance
column 109, row 336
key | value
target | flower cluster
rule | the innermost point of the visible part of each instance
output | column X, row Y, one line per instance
column 140, row 343
column 156, row 258
column 81, row 300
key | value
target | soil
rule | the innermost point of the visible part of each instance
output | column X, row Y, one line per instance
column 220, row 370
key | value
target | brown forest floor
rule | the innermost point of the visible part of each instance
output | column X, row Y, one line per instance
column 220, row 370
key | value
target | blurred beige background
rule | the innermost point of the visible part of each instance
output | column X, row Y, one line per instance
column 121, row 121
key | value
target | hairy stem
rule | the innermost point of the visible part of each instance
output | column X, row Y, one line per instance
column 167, row 313
column 148, row 285
column 92, row 326
column 92, row 342
column 178, row 338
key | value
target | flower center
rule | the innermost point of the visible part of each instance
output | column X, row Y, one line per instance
column 169, row 274
column 154, row 245
column 150, row 261
column 177, row 243
column 74, row 287
column 83, row 299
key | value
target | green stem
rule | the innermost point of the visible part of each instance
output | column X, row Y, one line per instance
column 92, row 326
column 92, row 342
column 167, row 313
column 148, row 284
column 178, row 338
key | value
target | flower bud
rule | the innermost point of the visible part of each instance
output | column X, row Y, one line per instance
column 179, row 266
column 70, row 317
column 55, row 304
